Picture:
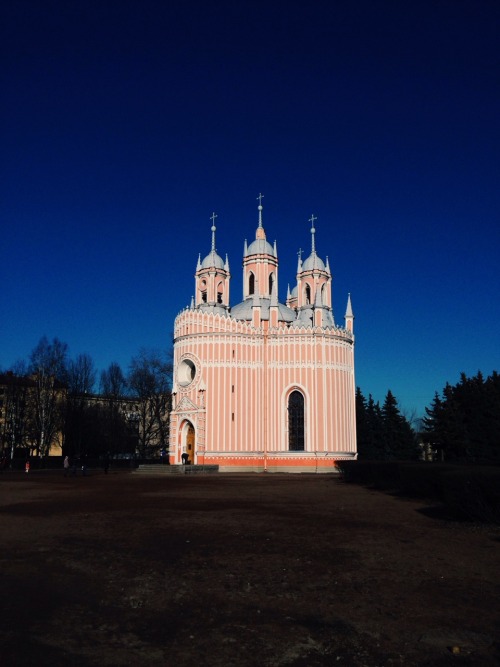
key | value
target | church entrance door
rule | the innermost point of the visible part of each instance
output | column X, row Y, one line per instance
column 190, row 443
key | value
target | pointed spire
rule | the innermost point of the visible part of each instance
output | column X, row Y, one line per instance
column 192, row 303
column 212, row 218
column 274, row 294
column 299, row 263
column 245, row 249
column 275, row 249
column 198, row 265
column 327, row 267
column 318, row 301
column 288, row 293
column 348, row 312
column 256, row 300
column 226, row 265
column 259, row 208
column 313, row 232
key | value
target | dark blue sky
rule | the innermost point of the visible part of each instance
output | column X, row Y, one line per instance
column 125, row 124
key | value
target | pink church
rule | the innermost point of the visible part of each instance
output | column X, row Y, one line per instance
column 263, row 386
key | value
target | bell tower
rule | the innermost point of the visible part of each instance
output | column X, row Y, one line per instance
column 212, row 279
column 313, row 277
column 260, row 264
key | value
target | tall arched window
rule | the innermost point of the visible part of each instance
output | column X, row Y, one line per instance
column 251, row 284
column 307, row 294
column 203, row 290
column 271, row 281
column 296, row 422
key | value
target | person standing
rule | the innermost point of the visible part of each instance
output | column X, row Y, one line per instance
column 66, row 465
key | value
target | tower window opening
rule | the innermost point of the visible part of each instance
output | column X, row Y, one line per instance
column 204, row 297
column 307, row 294
column 219, row 297
column 251, row 284
column 271, row 281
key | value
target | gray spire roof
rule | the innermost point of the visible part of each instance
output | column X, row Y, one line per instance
column 260, row 246
column 313, row 261
column 213, row 260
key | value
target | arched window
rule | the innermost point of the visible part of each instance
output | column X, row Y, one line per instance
column 296, row 422
column 307, row 294
column 251, row 284
column 271, row 281
column 220, row 291
column 203, row 290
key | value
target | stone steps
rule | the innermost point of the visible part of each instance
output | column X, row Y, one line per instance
column 152, row 469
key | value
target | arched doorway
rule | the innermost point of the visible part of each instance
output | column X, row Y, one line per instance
column 296, row 428
column 188, row 439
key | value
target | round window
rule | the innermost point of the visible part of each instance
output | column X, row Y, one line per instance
column 186, row 372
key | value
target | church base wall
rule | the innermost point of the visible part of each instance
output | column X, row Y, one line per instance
column 331, row 470
column 301, row 463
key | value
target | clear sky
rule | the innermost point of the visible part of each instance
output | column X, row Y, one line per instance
column 126, row 123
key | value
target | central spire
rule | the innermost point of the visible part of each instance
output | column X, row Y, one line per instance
column 313, row 232
column 212, row 218
column 259, row 207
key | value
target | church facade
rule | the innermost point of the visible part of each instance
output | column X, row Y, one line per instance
column 262, row 385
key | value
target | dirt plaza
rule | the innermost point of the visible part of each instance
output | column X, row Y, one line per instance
column 255, row 569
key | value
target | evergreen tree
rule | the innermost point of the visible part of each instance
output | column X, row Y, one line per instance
column 464, row 424
column 432, row 426
column 399, row 439
column 365, row 437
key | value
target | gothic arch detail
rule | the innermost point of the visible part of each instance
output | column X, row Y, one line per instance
column 307, row 294
column 271, row 282
column 296, row 421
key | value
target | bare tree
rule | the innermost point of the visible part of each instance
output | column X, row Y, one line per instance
column 113, row 383
column 81, row 381
column 119, row 428
column 150, row 380
column 48, row 370
column 81, row 375
column 16, row 387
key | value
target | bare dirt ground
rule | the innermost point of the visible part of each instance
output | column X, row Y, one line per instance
column 276, row 570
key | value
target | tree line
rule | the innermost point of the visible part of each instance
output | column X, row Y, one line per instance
column 462, row 425
column 50, row 401
column 463, row 422
column 383, row 432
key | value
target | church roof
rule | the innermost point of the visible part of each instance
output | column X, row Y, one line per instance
column 212, row 260
column 313, row 262
column 260, row 247
column 243, row 310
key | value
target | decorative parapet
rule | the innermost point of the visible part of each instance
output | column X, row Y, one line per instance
column 196, row 321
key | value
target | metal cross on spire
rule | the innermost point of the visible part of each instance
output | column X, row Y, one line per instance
column 313, row 230
column 260, row 198
column 212, row 218
column 299, row 253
